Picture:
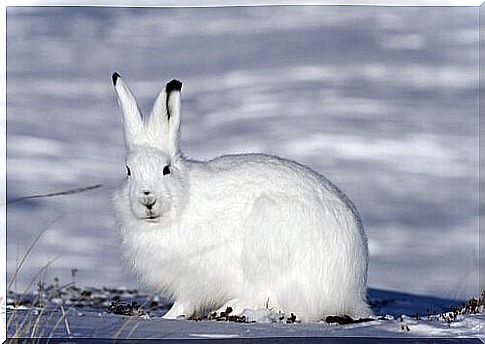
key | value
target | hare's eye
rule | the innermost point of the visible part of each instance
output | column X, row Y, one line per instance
column 166, row 170
column 128, row 171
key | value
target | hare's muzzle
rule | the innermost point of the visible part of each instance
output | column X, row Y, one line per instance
column 148, row 199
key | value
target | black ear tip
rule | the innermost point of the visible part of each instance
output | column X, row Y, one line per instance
column 115, row 77
column 173, row 85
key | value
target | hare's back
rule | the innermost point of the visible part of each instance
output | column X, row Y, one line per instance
column 257, row 168
column 268, row 173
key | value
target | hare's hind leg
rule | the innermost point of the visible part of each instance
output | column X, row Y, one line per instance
column 279, row 255
column 267, row 257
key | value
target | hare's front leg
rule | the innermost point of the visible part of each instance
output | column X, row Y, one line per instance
column 179, row 310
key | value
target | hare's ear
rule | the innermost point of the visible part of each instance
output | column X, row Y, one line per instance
column 164, row 120
column 132, row 119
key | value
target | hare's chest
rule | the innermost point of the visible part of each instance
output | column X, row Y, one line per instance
column 175, row 261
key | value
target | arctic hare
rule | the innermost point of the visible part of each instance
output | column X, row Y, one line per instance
column 243, row 231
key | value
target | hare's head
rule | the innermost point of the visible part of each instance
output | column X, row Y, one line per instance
column 155, row 183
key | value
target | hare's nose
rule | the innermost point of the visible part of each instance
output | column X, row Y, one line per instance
column 148, row 200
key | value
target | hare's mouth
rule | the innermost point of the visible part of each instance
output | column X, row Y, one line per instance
column 152, row 218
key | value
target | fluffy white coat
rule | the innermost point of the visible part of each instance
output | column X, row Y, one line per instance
column 247, row 231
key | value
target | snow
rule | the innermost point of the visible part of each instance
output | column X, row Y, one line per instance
column 91, row 316
column 90, row 324
column 382, row 101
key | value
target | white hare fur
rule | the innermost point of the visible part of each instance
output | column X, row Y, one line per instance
column 247, row 231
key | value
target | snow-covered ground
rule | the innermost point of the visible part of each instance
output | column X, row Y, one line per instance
column 88, row 324
column 125, row 313
column 382, row 101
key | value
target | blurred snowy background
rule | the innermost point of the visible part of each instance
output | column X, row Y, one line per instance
column 382, row 101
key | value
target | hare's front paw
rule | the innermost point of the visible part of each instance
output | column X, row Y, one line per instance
column 179, row 310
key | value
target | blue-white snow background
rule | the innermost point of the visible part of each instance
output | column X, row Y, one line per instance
column 382, row 101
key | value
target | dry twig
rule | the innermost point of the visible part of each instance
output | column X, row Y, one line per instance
column 53, row 194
